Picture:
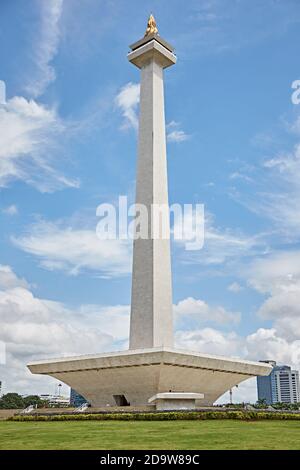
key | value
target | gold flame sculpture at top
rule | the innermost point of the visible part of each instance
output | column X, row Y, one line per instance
column 151, row 26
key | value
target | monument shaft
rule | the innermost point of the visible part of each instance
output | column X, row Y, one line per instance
column 151, row 323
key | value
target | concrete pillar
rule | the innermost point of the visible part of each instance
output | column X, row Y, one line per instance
column 151, row 323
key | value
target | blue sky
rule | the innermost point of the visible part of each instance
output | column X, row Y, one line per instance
column 68, row 143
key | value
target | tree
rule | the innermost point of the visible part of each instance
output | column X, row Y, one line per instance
column 261, row 403
column 33, row 400
column 11, row 401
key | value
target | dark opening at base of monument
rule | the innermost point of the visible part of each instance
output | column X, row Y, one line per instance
column 121, row 400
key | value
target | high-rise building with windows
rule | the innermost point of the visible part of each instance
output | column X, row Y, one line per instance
column 282, row 385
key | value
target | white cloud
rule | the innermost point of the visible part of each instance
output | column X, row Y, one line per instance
column 276, row 272
column 10, row 210
column 61, row 247
column 275, row 193
column 127, row 101
column 113, row 320
column 174, row 134
column 268, row 344
column 28, row 137
column 284, row 310
column 34, row 328
column 222, row 245
column 282, row 206
column 45, row 46
column 238, row 175
column 295, row 126
column 46, row 327
column 2, row 92
column 177, row 136
column 235, row 287
column 210, row 341
column 201, row 312
column 8, row 278
column 284, row 304
column 265, row 343
column 278, row 276
column 261, row 345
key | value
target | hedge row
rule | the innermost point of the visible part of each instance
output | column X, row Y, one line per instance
column 164, row 416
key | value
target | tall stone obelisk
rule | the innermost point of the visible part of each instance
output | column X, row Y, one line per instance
column 151, row 322
column 152, row 371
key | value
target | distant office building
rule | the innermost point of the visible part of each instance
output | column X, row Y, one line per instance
column 282, row 385
column 76, row 399
column 55, row 400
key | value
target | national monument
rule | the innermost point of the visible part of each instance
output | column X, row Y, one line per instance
column 151, row 370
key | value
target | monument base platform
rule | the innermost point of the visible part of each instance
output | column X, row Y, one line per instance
column 132, row 377
column 172, row 401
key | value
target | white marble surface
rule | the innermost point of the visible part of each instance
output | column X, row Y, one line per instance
column 151, row 322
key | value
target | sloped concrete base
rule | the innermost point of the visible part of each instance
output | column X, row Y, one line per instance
column 139, row 374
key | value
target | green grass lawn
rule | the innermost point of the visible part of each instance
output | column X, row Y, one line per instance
column 214, row 434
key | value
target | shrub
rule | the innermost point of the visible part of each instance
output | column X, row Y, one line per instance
column 161, row 416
